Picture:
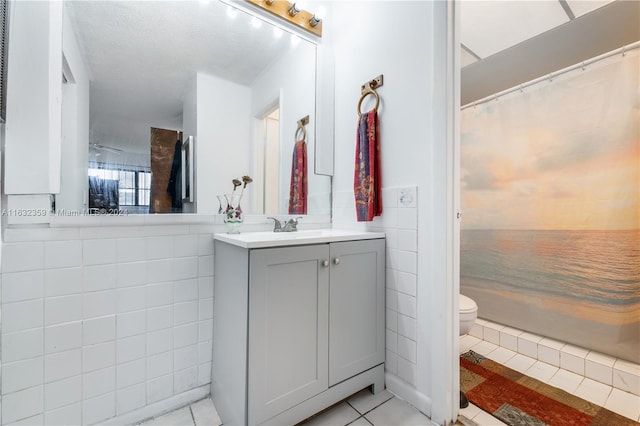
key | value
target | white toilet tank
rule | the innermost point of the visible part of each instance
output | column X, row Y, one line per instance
column 468, row 313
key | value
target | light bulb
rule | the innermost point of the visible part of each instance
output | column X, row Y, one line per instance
column 293, row 10
column 314, row 21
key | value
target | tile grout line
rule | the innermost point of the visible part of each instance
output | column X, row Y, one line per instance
column 367, row 412
column 193, row 418
column 358, row 418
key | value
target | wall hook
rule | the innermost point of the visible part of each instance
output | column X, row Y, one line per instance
column 303, row 121
column 372, row 84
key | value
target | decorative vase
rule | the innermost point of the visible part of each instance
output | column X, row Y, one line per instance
column 221, row 200
column 233, row 213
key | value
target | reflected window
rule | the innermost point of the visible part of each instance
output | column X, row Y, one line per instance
column 133, row 186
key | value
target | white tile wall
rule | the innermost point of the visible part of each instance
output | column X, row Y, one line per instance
column 399, row 222
column 63, row 392
column 107, row 323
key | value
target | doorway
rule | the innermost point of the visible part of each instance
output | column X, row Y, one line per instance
column 271, row 170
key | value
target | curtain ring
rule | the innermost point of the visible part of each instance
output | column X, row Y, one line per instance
column 364, row 95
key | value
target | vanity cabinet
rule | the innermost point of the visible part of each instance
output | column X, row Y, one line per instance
column 296, row 328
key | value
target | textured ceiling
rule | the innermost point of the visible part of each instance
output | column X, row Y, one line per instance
column 141, row 55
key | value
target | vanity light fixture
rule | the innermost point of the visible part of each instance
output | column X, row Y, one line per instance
column 293, row 13
column 293, row 10
column 314, row 21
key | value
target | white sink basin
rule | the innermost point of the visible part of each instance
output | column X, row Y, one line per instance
column 279, row 239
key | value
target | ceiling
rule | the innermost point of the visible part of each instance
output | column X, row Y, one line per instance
column 142, row 55
column 488, row 27
column 507, row 43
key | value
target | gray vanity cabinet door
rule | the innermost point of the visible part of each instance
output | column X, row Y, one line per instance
column 288, row 328
column 356, row 308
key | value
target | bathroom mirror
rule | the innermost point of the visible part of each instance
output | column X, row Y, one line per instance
column 151, row 73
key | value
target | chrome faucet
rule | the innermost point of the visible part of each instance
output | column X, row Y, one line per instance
column 289, row 226
column 277, row 226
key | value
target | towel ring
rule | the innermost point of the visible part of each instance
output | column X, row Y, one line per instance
column 304, row 133
column 368, row 91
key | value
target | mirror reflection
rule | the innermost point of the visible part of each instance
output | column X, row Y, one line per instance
column 165, row 103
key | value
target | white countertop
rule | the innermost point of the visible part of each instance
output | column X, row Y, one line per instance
column 279, row 239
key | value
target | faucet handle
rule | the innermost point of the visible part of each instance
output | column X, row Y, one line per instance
column 294, row 223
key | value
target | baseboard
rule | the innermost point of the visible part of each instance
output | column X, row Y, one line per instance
column 405, row 391
column 159, row 408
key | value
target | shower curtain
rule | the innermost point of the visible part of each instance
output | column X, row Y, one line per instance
column 550, row 240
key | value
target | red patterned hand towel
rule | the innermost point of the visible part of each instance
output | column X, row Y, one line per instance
column 366, row 178
column 298, row 188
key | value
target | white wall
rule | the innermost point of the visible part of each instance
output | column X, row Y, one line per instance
column 291, row 82
column 222, row 139
column 34, row 94
column 190, row 128
column 399, row 40
column 75, row 125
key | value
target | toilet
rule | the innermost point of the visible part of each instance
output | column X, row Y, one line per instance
column 468, row 313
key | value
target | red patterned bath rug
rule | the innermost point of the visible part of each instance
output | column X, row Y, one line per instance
column 519, row 400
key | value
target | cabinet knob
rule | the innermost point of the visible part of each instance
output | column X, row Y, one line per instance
column 336, row 261
column 325, row 263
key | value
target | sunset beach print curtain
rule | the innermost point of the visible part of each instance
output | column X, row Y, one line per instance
column 550, row 238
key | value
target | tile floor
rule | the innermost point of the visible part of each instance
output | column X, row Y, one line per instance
column 613, row 399
column 365, row 409
column 361, row 409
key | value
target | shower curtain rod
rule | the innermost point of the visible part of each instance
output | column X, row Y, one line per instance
column 622, row 50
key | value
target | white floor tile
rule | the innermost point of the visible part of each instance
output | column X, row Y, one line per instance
column 566, row 380
column 501, row 355
column 471, row 411
column 467, row 342
column 593, row 391
column 340, row 415
column 181, row 417
column 398, row 413
column 542, row 371
column 484, row 348
column 205, row 414
column 365, row 401
column 485, row 419
column 520, row 363
column 623, row 403
column 361, row 421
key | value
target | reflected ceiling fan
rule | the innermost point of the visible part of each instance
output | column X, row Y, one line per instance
column 98, row 147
